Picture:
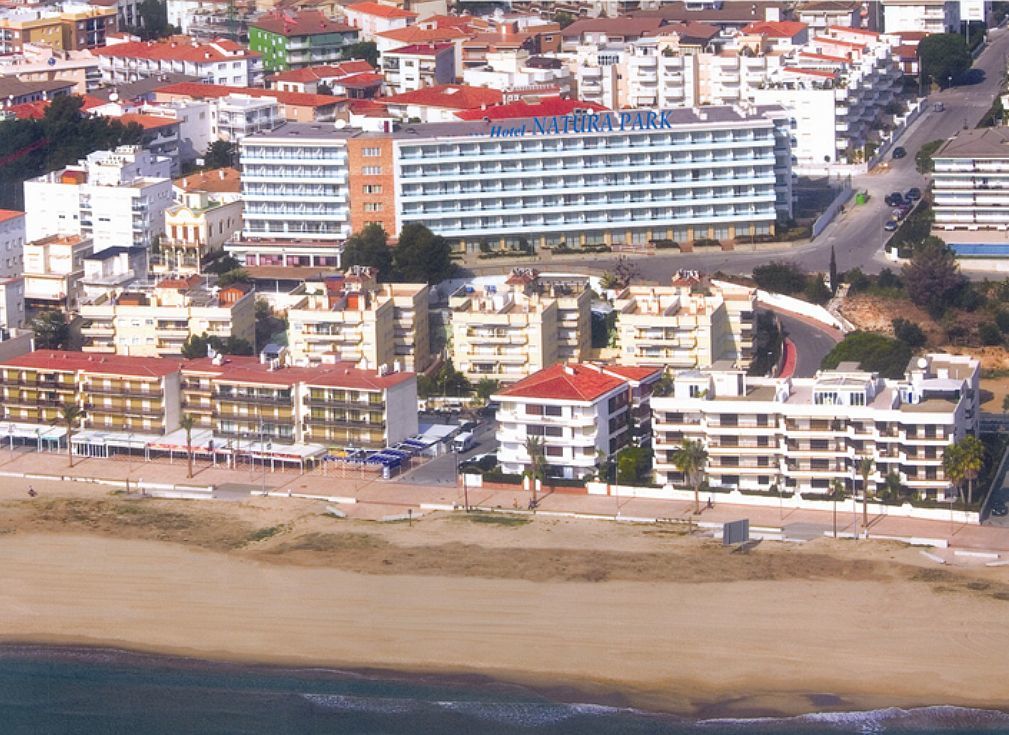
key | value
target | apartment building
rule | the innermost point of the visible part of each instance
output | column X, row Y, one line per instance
column 580, row 414
column 413, row 67
column 353, row 318
column 53, row 269
column 220, row 62
column 971, row 181
column 112, row 198
column 111, row 270
column 87, row 26
column 19, row 26
column 307, row 80
column 12, row 303
column 798, row 435
column 116, row 394
column 519, row 72
column 820, row 15
column 930, row 16
column 155, row 319
column 12, row 243
column 689, row 324
column 373, row 18
column 526, row 325
column 291, row 106
column 236, row 116
column 196, row 230
column 338, row 406
column 292, row 40
column 40, row 63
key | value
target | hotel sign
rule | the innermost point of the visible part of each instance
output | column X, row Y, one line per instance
column 592, row 122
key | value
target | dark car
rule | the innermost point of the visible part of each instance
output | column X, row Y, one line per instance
column 891, row 225
column 999, row 510
column 913, row 194
column 894, row 198
column 898, row 153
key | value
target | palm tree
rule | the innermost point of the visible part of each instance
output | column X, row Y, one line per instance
column 187, row 423
column 690, row 459
column 70, row 416
column 537, row 462
column 892, row 488
column 837, row 495
column 953, row 466
column 973, row 460
column 865, row 469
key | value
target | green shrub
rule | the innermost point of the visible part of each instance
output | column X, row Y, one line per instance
column 873, row 352
column 989, row 334
column 909, row 333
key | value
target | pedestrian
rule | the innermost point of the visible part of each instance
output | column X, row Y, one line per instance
column 31, row 492
column 710, row 503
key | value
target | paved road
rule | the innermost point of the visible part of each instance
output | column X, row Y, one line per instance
column 441, row 470
column 811, row 344
column 857, row 235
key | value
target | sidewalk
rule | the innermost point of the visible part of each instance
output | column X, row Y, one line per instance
column 376, row 498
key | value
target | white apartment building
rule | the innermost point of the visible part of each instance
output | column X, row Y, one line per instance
column 295, row 184
column 353, row 318
column 579, row 414
column 236, row 116
column 798, row 435
column 12, row 243
column 409, row 68
column 12, row 303
column 372, row 18
column 528, row 324
column 155, row 319
column 928, row 16
column 690, row 324
column 218, row 62
column 517, row 70
column 971, row 181
column 54, row 267
column 112, row 269
column 112, row 198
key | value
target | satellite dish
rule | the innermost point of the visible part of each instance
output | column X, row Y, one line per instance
column 51, row 61
column 922, row 362
column 113, row 97
column 340, row 124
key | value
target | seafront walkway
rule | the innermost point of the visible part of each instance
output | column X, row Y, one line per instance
column 365, row 496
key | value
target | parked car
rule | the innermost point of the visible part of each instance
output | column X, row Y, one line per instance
column 913, row 194
column 894, row 198
column 938, row 107
column 467, row 424
column 898, row 213
column 899, row 153
column 891, row 225
column 999, row 509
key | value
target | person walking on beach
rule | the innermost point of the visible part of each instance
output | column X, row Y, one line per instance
column 31, row 492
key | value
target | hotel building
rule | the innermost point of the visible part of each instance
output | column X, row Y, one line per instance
column 688, row 324
column 531, row 323
column 575, row 411
column 971, row 181
column 797, row 435
column 156, row 319
column 626, row 177
column 353, row 318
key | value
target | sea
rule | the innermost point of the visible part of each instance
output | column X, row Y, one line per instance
column 47, row 690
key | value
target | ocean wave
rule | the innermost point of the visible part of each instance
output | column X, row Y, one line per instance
column 941, row 718
column 372, row 705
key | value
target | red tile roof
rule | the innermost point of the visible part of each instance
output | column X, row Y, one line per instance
column 113, row 365
column 380, row 11
column 776, row 29
column 453, row 21
column 368, row 79
column 631, row 372
column 242, row 369
column 177, row 48
column 565, row 383
column 452, row 96
column 415, row 34
column 216, row 180
column 812, row 72
column 212, row 91
column 315, row 73
column 546, row 108
column 147, row 122
column 29, row 110
column 8, row 214
column 421, row 49
column 305, row 23
column 847, row 29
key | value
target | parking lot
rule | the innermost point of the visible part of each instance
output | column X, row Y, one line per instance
column 442, row 470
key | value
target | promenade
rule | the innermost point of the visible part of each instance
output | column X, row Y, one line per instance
column 365, row 496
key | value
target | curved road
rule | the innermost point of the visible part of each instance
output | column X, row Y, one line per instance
column 812, row 344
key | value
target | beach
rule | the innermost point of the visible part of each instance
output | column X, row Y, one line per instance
column 620, row 613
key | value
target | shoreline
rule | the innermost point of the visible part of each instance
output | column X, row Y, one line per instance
column 772, row 706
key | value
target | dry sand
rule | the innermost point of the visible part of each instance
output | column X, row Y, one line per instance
column 668, row 621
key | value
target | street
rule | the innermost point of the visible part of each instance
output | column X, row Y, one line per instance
column 812, row 344
column 856, row 235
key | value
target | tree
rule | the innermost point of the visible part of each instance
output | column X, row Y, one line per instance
column 186, row 423
column 873, row 352
column 892, row 487
column 865, row 465
column 421, row 256
column 221, row 153
column 223, row 265
column 537, row 463
column 634, row 465
column 909, row 333
column 833, row 272
column 196, row 346
column 369, row 247
column 989, row 334
column 971, row 458
column 153, row 17
column 486, row 388
column 816, row 290
column 51, row 330
column 943, row 57
column 779, row 277
column 923, row 158
column 836, row 495
column 932, row 278
column 953, row 467
column 366, row 50
column 563, row 19
column 238, row 275
column 70, row 416
column 625, row 271
column 690, row 459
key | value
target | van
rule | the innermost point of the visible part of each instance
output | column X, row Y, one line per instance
column 464, row 442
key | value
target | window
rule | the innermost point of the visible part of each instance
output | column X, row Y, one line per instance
column 373, row 206
column 371, row 170
column 372, row 188
column 552, row 411
column 371, row 152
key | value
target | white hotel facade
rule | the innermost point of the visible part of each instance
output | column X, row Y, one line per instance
column 627, row 177
column 971, row 181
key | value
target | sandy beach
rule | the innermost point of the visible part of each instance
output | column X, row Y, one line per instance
column 664, row 620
